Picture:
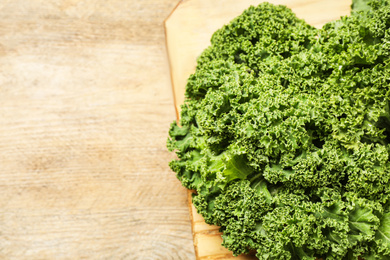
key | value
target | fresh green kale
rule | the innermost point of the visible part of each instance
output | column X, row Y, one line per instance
column 360, row 5
column 285, row 131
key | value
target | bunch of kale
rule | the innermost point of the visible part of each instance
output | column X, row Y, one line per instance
column 285, row 135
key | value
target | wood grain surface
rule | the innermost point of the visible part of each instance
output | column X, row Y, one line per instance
column 188, row 30
column 85, row 106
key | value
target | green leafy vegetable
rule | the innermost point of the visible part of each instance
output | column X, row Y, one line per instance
column 360, row 5
column 285, row 134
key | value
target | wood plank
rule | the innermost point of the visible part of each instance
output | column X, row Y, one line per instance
column 86, row 104
column 188, row 31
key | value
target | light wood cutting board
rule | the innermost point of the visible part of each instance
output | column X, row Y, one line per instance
column 188, row 32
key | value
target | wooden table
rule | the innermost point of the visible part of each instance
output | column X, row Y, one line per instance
column 86, row 103
column 85, row 106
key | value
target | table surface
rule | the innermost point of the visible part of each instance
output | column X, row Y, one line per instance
column 86, row 104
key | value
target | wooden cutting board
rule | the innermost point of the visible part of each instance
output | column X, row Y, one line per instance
column 188, row 31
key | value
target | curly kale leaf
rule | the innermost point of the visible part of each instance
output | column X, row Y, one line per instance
column 285, row 132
